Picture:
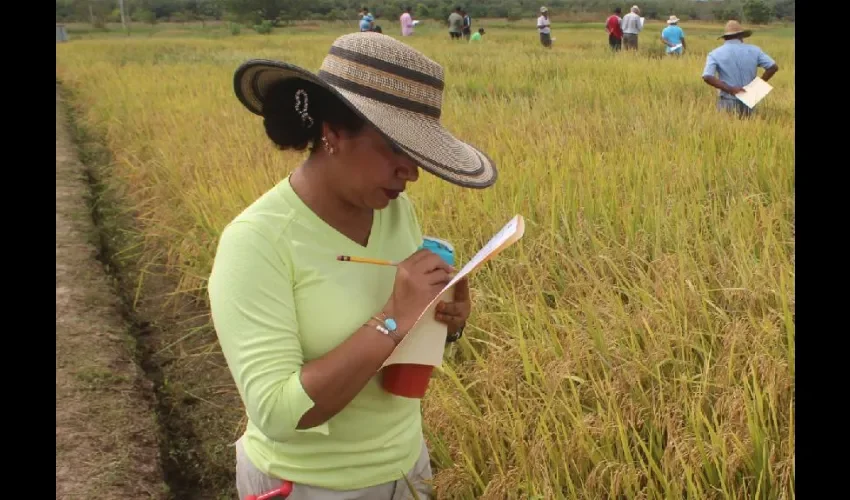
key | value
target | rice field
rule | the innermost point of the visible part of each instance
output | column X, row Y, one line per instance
column 637, row 343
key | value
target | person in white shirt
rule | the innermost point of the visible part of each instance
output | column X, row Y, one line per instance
column 631, row 26
column 543, row 28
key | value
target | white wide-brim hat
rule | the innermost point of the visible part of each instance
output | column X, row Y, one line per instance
column 390, row 85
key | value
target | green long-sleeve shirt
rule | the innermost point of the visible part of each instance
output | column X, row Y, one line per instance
column 279, row 299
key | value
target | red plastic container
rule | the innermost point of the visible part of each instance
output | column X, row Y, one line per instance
column 407, row 380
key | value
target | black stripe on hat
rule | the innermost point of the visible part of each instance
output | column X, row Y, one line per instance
column 387, row 67
column 384, row 97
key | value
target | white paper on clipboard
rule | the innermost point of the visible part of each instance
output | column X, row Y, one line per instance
column 426, row 342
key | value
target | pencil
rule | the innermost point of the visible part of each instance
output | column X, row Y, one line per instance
column 366, row 260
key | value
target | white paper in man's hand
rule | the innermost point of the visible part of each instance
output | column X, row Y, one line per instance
column 754, row 92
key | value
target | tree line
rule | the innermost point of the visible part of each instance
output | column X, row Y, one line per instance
column 100, row 12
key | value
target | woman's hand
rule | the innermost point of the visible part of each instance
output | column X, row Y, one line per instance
column 418, row 279
column 454, row 314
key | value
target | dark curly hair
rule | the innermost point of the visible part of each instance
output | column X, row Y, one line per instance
column 285, row 126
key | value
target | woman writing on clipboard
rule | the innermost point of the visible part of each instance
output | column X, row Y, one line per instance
column 304, row 335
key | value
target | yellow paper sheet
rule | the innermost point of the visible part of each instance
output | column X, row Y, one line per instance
column 426, row 342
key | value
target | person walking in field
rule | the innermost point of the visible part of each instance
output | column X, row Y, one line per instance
column 467, row 25
column 615, row 32
column 476, row 37
column 367, row 20
column 304, row 335
column 631, row 27
column 456, row 24
column 406, row 22
column 544, row 28
column 673, row 37
column 734, row 65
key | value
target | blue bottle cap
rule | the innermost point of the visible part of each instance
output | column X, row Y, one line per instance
column 439, row 247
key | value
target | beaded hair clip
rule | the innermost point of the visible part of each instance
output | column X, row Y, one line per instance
column 302, row 102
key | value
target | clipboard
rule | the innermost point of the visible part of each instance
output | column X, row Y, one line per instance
column 426, row 341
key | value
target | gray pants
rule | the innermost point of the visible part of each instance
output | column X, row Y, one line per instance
column 630, row 41
column 733, row 105
column 251, row 481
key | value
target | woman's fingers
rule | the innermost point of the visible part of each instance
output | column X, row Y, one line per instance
column 462, row 290
column 452, row 312
column 419, row 256
column 453, row 322
column 453, row 317
column 431, row 262
column 438, row 277
column 450, row 308
column 442, row 318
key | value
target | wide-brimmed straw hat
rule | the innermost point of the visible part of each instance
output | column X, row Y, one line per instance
column 734, row 28
column 673, row 20
column 543, row 9
column 392, row 86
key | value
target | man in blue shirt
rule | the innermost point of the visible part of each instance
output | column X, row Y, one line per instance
column 673, row 37
column 736, row 65
column 367, row 21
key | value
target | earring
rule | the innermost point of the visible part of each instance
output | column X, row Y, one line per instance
column 327, row 145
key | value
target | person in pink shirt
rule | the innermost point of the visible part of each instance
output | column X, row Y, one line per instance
column 406, row 23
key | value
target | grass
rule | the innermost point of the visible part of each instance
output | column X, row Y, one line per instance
column 107, row 444
column 638, row 342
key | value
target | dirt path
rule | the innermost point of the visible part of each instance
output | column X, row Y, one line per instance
column 107, row 442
